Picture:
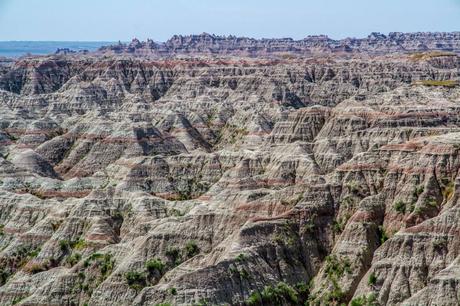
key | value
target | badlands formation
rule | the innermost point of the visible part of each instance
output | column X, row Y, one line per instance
column 214, row 170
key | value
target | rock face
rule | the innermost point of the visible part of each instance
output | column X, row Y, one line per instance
column 207, row 44
column 324, row 179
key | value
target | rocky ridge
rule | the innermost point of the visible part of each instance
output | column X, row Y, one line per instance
column 317, row 180
column 209, row 44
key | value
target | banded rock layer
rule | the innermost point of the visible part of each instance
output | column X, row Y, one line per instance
column 242, row 181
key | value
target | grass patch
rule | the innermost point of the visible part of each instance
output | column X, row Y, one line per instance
column 429, row 55
column 435, row 83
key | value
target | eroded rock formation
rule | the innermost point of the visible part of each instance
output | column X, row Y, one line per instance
column 266, row 180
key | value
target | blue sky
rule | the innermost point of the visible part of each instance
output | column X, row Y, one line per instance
column 112, row 20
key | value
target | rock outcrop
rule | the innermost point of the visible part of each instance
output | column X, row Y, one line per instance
column 323, row 179
column 208, row 44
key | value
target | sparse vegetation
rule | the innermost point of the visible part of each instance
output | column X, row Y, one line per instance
column 434, row 83
column 332, row 294
column 191, row 249
column 339, row 225
column 106, row 265
column 73, row 259
column 155, row 266
column 80, row 244
column 64, row 245
column 175, row 212
column 382, row 235
column 281, row 294
column 440, row 243
column 173, row 254
column 241, row 257
column 17, row 300
column 336, row 267
column 448, row 189
column 372, row 279
column 173, row 291
column 309, row 226
column 136, row 280
column 430, row 55
column 241, row 272
column 104, row 262
column 431, row 202
column 370, row 300
column 400, row 207
column 4, row 275
column 353, row 186
column 36, row 268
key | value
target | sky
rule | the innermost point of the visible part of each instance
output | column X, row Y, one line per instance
column 113, row 20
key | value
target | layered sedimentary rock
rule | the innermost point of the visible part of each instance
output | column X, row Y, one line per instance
column 318, row 180
column 208, row 44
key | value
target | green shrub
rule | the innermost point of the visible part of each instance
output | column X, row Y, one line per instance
column 336, row 267
column 135, row 280
column 64, row 245
column 33, row 253
column 191, row 249
column 155, row 265
column 4, row 275
column 431, row 201
column 106, row 265
column 309, row 227
column 303, row 290
column 173, row 291
column 173, row 254
column 419, row 190
column 370, row 300
column 400, row 207
column 278, row 295
column 243, row 274
column 448, row 190
column 382, row 235
column 440, row 244
column 17, row 300
column 241, row 257
column 103, row 261
column 372, row 279
column 254, row 299
column 80, row 244
column 353, row 186
column 74, row 259
column 339, row 225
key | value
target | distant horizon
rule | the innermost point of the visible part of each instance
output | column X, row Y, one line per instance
column 114, row 20
column 226, row 35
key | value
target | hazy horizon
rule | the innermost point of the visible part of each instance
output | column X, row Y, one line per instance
column 160, row 41
column 107, row 21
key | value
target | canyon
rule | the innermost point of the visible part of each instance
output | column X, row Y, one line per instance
column 212, row 170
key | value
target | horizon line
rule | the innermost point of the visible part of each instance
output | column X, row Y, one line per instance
column 225, row 35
